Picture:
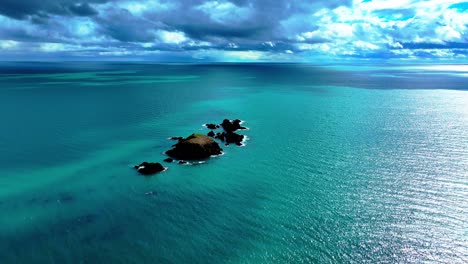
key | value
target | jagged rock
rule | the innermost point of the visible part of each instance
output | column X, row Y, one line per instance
column 237, row 124
column 211, row 134
column 195, row 147
column 230, row 137
column 220, row 136
column 148, row 168
column 234, row 138
column 231, row 126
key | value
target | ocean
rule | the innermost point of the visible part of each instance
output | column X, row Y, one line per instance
column 354, row 163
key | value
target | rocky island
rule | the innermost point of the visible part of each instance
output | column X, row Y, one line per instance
column 148, row 168
column 229, row 136
column 194, row 147
column 198, row 147
column 231, row 126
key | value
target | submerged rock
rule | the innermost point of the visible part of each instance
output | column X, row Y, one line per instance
column 148, row 168
column 168, row 160
column 195, row 147
column 177, row 138
column 65, row 198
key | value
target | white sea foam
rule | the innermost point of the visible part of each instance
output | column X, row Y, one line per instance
column 219, row 155
column 242, row 122
column 244, row 140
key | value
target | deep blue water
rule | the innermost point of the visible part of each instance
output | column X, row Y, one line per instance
column 344, row 163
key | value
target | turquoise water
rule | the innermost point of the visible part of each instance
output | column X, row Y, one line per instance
column 359, row 164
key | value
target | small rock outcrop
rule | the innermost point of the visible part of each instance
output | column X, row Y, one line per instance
column 231, row 126
column 194, row 147
column 148, row 168
column 169, row 160
column 211, row 134
column 212, row 126
column 230, row 137
column 234, row 138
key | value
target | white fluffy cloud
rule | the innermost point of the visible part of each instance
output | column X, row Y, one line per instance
column 378, row 26
column 172, row 37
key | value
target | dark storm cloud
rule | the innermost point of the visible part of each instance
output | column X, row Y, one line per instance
column 40, row 18
column 18, row 34
column 21, row 9
column 121, row 25
column 262, row 24
column 83, row 9
column 207, row 31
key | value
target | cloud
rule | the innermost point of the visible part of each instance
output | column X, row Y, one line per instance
column 226, row 12
column 24, row 9
column 172, row 37
column 236, row 29
column 8, row 44
column 121, row 25
column 83, row 9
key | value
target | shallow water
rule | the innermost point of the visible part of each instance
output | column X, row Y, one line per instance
column 343, row 164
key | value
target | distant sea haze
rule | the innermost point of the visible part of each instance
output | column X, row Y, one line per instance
column 343, row 163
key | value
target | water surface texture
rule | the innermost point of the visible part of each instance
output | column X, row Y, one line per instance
column 344, row 164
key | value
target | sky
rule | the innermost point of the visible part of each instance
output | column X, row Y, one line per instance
column 234, row 31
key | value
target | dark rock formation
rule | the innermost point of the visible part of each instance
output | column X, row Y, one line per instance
column 230, row 137
column 212, row 126
column 195, row 147
column 177, row 138
column 168, row 160
column 234, row 138
column 182, row 162
column 231, row 126
column 220, row 136
column 148, row 168
column 211, row 134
